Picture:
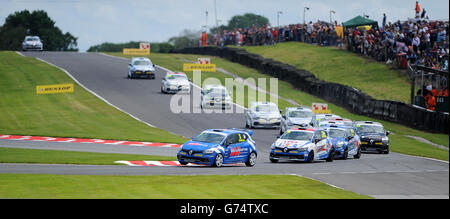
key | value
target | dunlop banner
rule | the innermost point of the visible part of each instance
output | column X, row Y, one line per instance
column 136, row 51
column 201, row 67
column 54, row 89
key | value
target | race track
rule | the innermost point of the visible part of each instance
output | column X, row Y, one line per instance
column 381, row 176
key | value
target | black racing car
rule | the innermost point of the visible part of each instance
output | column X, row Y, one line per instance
column 374, row 138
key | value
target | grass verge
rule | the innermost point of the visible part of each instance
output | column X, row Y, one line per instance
column 168, row 187
column 79, row 114
column 35, row 156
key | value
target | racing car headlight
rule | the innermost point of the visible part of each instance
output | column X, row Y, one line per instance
column 385, row 140
column 209, row 151
column 272, row 147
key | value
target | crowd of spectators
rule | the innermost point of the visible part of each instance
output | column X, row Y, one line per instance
column 321, row 32
column 418, row 41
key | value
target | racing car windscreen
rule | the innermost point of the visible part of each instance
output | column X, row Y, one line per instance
column 209, row 138
column 301, row 114
column 32, row 39
column 369, row 129
column 336, row 133
column 217, row 92
column 142, row 62
column 298, row 136
column 173, row 77
column 266, row 108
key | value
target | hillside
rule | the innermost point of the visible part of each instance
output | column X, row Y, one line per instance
column 336, row 65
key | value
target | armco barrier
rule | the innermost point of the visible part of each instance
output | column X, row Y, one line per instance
column 345, row 96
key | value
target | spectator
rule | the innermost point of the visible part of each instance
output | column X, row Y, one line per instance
column 417, row 10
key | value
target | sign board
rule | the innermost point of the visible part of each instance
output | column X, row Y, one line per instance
column 204, row 61
column 54, row 89
column 144, row 46
column 320, row 108
column 201, row 67
column 142, row 52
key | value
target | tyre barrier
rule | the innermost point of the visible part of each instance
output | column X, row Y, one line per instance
column 345, row 96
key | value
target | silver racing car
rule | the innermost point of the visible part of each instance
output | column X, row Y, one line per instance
column 263, row 115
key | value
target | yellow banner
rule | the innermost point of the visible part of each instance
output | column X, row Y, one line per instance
column 201, row 67
column 136, row 51
column 322, row 111
column 54, row 89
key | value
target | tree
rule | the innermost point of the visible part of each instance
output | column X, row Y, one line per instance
column 247, row 21
column 187, row 38
column 37, row 23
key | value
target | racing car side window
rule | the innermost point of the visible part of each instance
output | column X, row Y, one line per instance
column 242, row 137
column 317, row 137
column 232, row 139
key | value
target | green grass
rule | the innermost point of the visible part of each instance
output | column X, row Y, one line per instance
column 35, row 156
column 340, row 66
column 79, row 114
column 167, row 187
column 405, row 145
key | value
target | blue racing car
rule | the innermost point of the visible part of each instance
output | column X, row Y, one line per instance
column 345, row 141
column 216, row 147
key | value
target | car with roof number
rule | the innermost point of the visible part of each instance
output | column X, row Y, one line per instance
column 295, row 116
column 262, row 115
column 217, row 147
column 215, row 96
column 141, row 67
column 303, row 144
column 374, row 138
column 175, row 83
column 345, row 141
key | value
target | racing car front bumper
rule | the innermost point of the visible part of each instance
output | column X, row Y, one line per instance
column 217, row 105
column 143, row 74
column 262, row 123
column 289, row 155
column 32, row 48
column 195, row 158
column 177, row 89
column 374, row 147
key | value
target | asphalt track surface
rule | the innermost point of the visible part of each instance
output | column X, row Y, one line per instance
column 381, row 176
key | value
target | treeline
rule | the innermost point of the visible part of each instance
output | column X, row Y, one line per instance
column 37, row 23
column 118, row 47
column 188, row 38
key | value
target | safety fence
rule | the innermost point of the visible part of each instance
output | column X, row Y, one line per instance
column 350, row 98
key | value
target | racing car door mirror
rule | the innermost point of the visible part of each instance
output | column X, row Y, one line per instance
column 317, row 140
column 129, row 64
column 154, row 66
column 388, row 133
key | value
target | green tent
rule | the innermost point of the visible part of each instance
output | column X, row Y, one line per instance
column 360, row 21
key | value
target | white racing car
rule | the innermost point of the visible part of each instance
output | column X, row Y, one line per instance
column 215, row 96
column 303, row 144
column 141, row 68
column 175, row 83
column 262, row 115
column 295, row 116
column 32, row 43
